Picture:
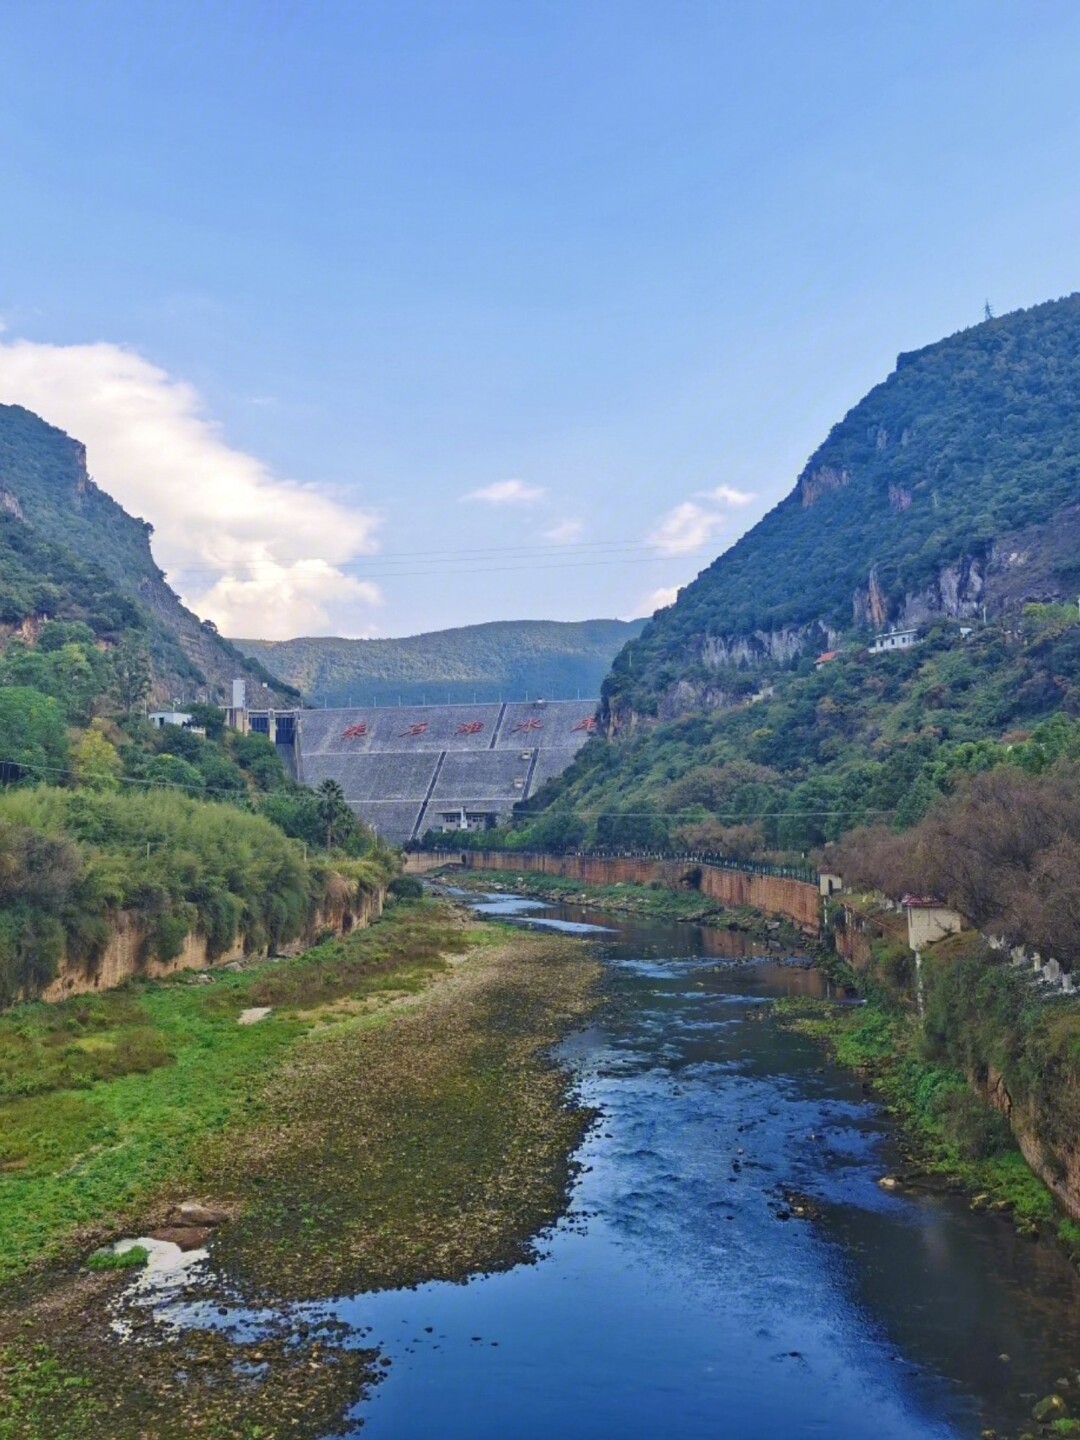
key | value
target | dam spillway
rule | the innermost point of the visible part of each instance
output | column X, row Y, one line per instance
column 407, row 769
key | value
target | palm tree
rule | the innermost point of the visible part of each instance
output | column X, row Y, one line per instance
column 334, row 810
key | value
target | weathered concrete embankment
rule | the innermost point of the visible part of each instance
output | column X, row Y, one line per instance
column 795, row 900
column 866, row 941
column 1008, row 1033
column 129, row 952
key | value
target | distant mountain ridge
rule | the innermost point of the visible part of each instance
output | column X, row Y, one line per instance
column 504, row 659
column 70, row 552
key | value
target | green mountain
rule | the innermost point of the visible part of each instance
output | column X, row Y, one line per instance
column 68, row 551
column 506, row 659
column 948, row 500
column 951, row 486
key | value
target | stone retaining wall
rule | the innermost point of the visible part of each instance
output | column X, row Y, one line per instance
column 796, row 900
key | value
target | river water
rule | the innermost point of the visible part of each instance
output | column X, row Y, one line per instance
column 674, row 1299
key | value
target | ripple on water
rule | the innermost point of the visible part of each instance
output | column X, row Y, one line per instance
column 673, row 1301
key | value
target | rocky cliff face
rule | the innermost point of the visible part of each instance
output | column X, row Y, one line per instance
column 813, row 484
column 958, row 591
column 46, row 487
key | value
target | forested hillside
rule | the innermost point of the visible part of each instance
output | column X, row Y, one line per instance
column 187, row 831
column 506, row 659
column 947, row 500
column 938, row 493
column 863, row 738
column 68, row 551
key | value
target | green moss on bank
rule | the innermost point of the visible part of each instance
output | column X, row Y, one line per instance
column 107, row 1101
column 950, row 1129
column 447, row 1147
column 395, row 1119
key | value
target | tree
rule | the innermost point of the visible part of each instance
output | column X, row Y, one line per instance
column 33, row 734
column 94, row 761
column 176, row 773
column 131, row 672
column 210, row 717
column 334, row 811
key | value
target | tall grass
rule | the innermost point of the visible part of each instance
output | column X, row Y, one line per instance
column 177, row 863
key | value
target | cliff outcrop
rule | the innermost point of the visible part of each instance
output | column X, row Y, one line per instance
column 68, row 550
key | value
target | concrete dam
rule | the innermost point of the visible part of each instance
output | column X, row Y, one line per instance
column 413, row 768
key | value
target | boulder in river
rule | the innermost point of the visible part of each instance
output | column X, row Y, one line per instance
column 191, row 1212
column 1049, row 1409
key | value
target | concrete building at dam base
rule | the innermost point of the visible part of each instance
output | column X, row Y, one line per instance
column 409, row 769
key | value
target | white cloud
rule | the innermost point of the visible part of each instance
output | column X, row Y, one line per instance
column 294, row 599
column 565, row 531
column 507, row 492
column 661, row 599
column 689, row 526
column 728, row 495
column 685, row 528
column 253, row 551
column 653, row 601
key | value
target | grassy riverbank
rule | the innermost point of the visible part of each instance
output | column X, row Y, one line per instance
column 107, row 1101
column 393, row 1119
column 948, row 1129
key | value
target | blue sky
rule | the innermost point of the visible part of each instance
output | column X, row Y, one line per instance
column 305, row 276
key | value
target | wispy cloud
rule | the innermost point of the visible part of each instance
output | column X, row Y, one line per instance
column 691, row 525
column 685, row 528
column 507, row 492
column 728, row 495
column 258, row 553
column 655, row 600
column 660, row 599
column 565, row 532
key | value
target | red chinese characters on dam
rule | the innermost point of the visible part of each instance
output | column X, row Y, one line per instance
column 471, row 727
column 354, row 732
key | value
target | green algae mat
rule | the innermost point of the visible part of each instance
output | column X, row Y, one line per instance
column 446, row 1149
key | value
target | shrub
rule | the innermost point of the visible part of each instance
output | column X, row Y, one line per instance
column 405, row 887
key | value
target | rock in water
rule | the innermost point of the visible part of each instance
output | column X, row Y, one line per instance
column 192, row 1213
column 1050, row 1408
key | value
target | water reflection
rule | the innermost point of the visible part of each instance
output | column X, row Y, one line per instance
column 677, row 1298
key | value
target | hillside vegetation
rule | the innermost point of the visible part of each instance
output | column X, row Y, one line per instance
column 504, row 660
column 863, row 738
column 68, row 551
column 950, row 493
column 194, row 830
column 932, row 496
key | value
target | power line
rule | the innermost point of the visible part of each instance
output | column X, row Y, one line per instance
column 458, row 563
column 582, row 813
column 109, row 778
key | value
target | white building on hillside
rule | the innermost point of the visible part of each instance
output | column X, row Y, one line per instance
column 893, row 640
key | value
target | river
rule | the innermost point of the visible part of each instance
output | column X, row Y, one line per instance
column 674, row 1299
